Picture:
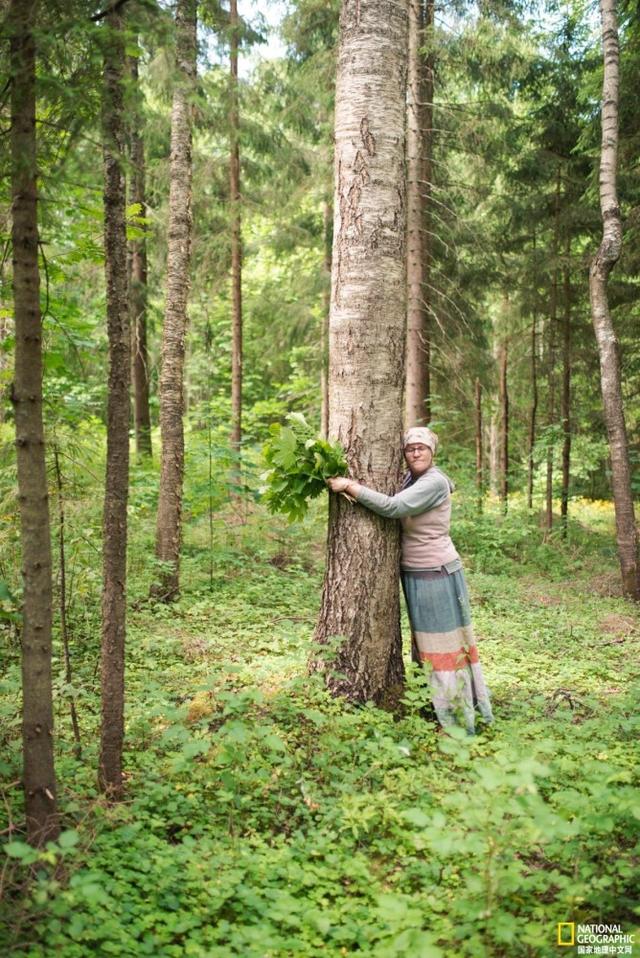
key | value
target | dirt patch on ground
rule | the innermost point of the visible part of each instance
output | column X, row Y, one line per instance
column 618, row 625
column 534, row 595
column 606, row 584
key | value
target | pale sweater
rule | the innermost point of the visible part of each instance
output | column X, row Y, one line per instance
column 424, row 510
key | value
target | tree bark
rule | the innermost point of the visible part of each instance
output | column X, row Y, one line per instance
column 360, row 600
column 138, row 279
column 534, row 410
column 504, row 425
column 236, row 234
column 64, row 630
column 565, row 400
column 324, row 338
column 479, row 474
column 417, row 352
column 429, row 67
column 37, row 705
column 533, row 413
column 608, row 350
column 114, row 549
column 169, row 520
column 551, row 357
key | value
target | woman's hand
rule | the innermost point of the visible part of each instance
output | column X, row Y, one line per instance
column 338, row 483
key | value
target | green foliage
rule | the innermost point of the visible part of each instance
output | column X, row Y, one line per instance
column 299, row 465
column 264, row 817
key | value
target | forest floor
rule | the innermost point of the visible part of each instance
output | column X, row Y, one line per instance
column 264, row 819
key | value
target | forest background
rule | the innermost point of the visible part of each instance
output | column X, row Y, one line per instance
column 369, row 834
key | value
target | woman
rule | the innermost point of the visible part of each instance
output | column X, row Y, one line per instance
column 432, row 580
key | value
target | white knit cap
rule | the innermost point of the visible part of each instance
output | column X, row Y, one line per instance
column 421, row 434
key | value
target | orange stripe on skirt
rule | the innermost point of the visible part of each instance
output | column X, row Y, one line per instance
column 450, row 661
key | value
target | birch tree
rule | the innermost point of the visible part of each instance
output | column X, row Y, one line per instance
column 360, row 601
column 169, row 519
column 603, row 262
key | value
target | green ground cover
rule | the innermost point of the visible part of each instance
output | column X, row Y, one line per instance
column 264, row 819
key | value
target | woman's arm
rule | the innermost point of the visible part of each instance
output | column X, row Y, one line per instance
column 426, row 493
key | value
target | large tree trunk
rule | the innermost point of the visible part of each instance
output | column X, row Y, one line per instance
column 114, row 528
column 428, row 223
column 138, row 281
column 37, row 709
column 236, row 235
column 324, row 338
column 417, row 354
column 169, row 521
column 360, row 601
column 565, row 399
column 602, row 264
column 6, row 324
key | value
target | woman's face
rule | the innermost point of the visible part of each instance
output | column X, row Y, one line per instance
column 418, row 458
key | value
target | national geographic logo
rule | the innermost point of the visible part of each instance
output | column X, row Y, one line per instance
column 595, row 939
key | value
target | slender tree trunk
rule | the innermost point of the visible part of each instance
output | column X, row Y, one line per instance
column 534, row 388
column 533, row 412
column 602, row 264
column 479, row 475
column 565, row 407
column 417, row 358
column 324, row 339
column 551, row 361
column 494, row 423
column 504, row 425
column 39, row 779
column 64, row 631
column 236, row 235
column 114, row 528
column 138, row 280
column 360, row 601
column 169, row 520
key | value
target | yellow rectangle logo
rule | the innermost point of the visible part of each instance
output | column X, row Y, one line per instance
column 566, row 937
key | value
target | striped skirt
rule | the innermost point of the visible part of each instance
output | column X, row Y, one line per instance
column 440, row 617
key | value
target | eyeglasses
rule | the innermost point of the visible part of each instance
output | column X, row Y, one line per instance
column 418, row 448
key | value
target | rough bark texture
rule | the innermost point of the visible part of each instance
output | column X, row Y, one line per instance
column 428, row 222
column 504, row 425
column 360, row 600
column 64, row 630
column 417, row 351
column 37, row 711
column 551, row 356
column 114, row 527
column 138, row 282
column 602, row 264
column 565, row 398
column 6, row 323
column 534, row 410
column 324, row 338
column 236, row 235
column 479, row 475
column 169, row 521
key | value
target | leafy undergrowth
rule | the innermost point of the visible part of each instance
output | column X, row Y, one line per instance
column 265, row 819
